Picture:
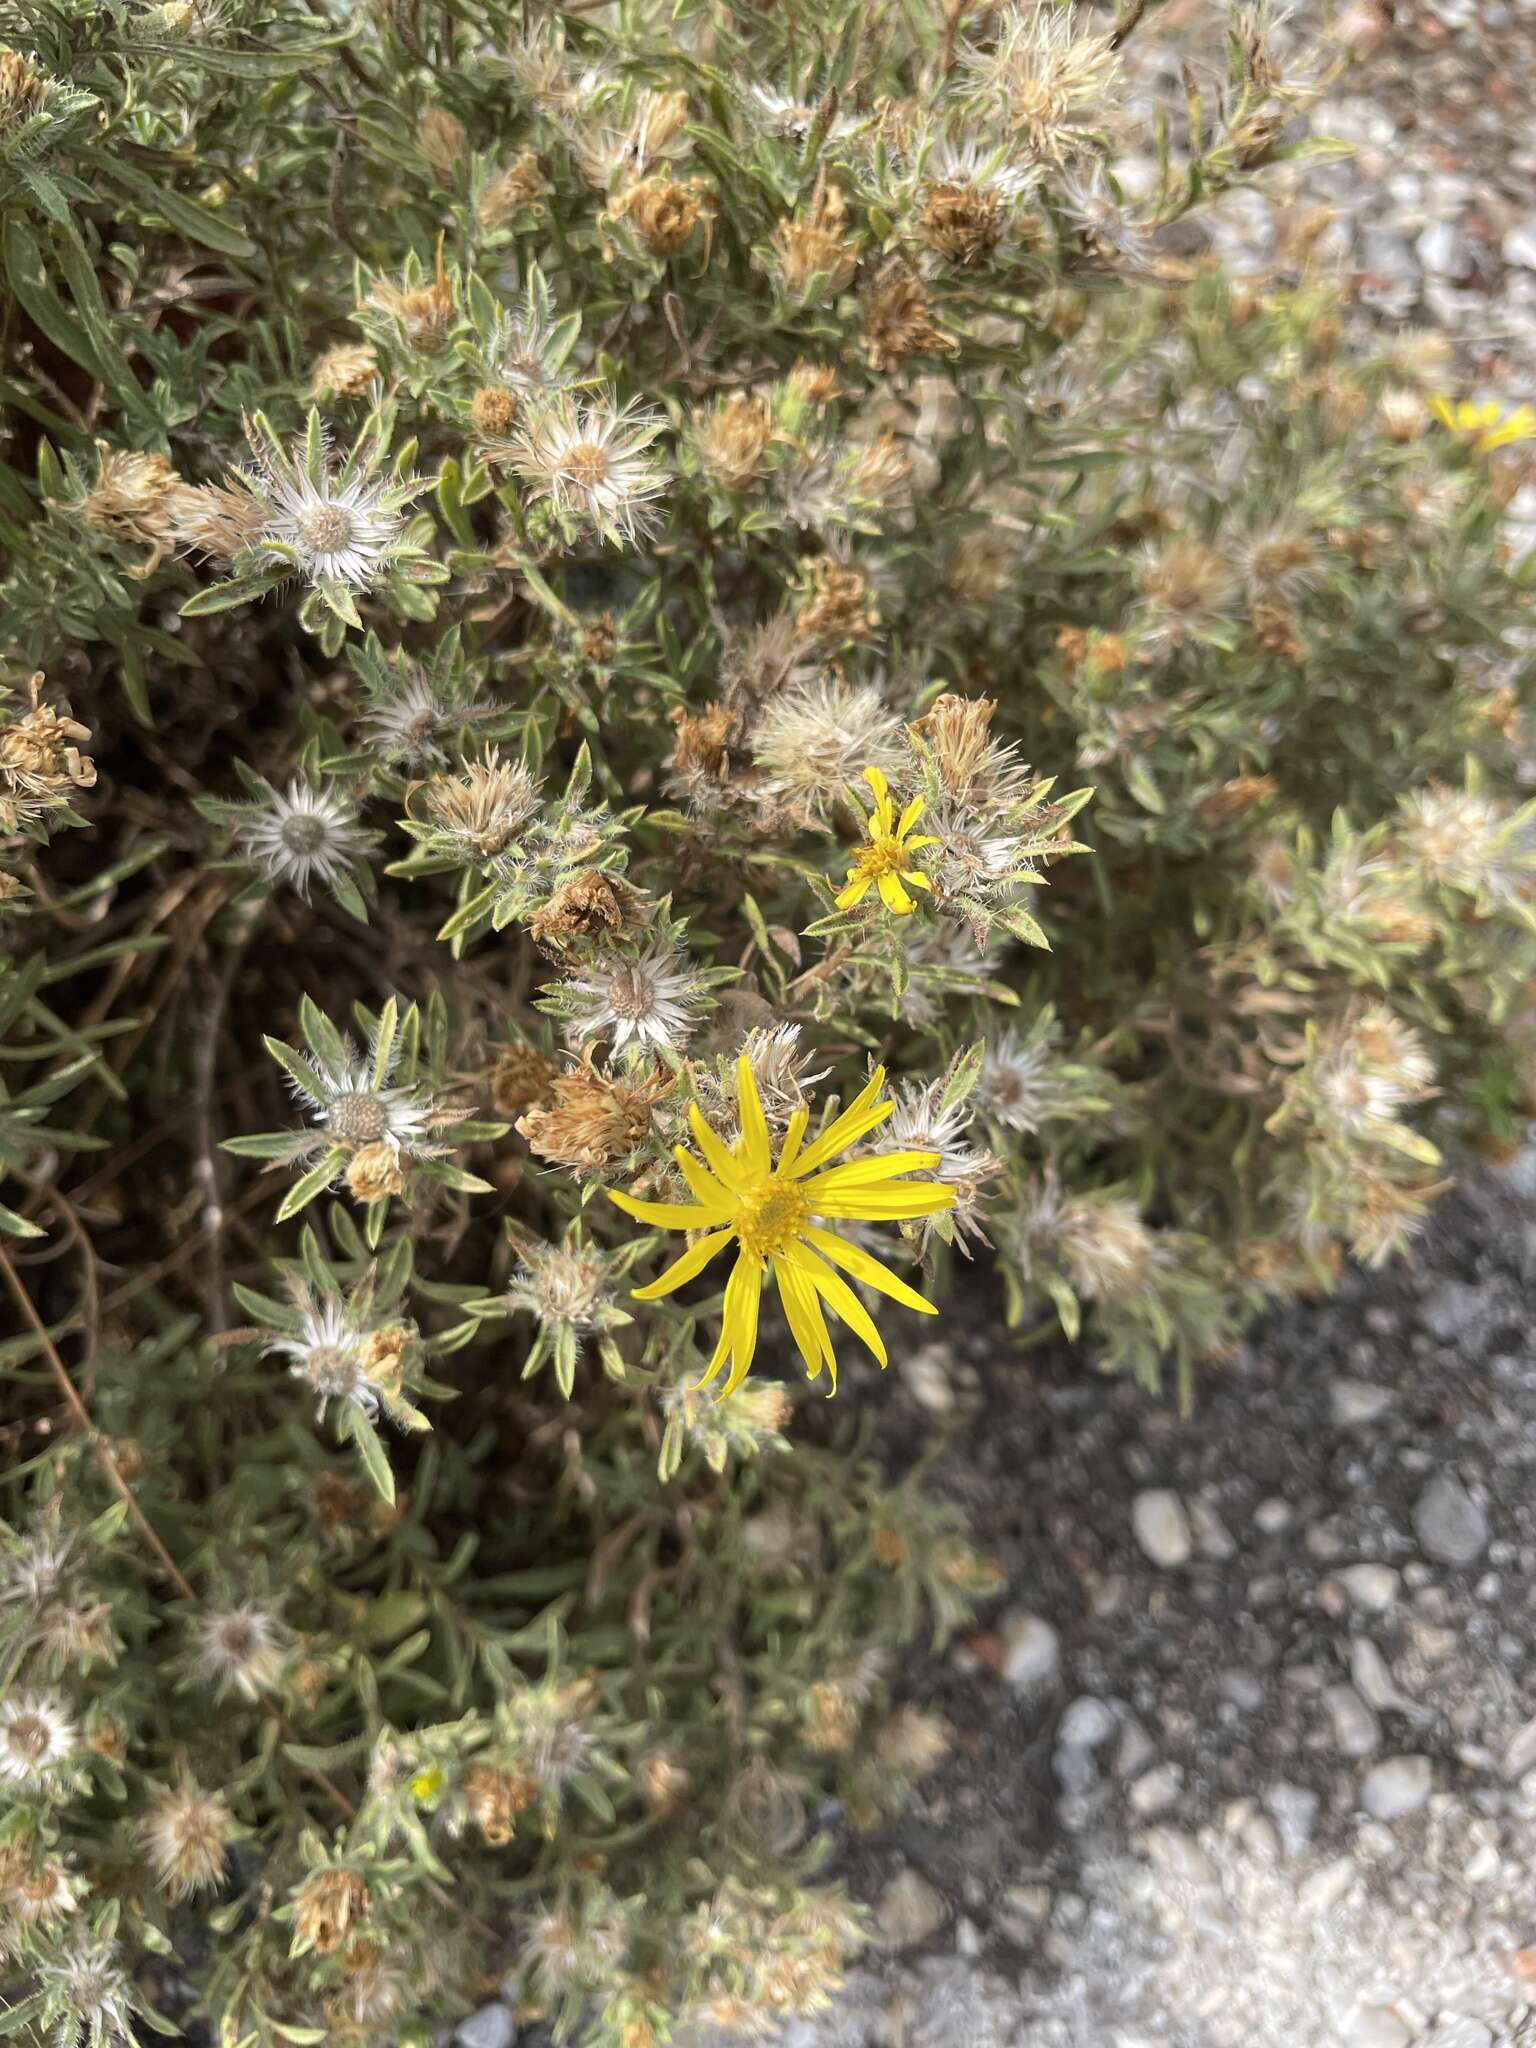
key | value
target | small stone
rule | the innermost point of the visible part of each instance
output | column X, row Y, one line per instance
column 1450, row 1525
column 929, row 1373
column 1397, row 1787
column 1162, row 1527
column 1294, row 1812
column 1519, row 244
column 1031, row 1650
column 1243, row 1688
column 1032, row 1900
column 1261, row 1838
column 1085, row 1724
column 909, row 1910
column 1212, row 1537
column 1158, row 1790
column 1355, row 1728
column 1076, row 1771
column 1374, row 1682
column 1374, row 2026
column 1442, row 249
column 1484, row 1865
column 1180, row 1855
column 491, row 2027
column 1323, row 1890
column 1357, row 1402
column 1520, row 1756
column 1371, row 1586
column 1134, row 1751
column 1455, row 1307
column 1272, row 1516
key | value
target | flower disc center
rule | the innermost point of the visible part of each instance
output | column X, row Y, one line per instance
column 325, row 528
column 771, row 1217
column 359, row 1118
column 882, row 857
column 587, row 465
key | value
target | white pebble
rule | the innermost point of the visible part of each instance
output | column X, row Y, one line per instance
column 1397, row 1787
column 1031, row 1650
column 1162, row 1527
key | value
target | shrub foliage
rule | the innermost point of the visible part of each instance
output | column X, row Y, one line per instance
column 709, row 605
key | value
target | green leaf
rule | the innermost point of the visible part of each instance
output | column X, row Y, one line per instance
column 371, row 1450
column 197, row 222
column 18, row 1226
column 314, row 1183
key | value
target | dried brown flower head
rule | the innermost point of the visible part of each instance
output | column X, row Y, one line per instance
column 585, row 907
column 899, row 322
column 520, row 188
column 831, row 1715
column 701, row 761
column 665, row 1783
column 594, row 1119
column 327, row 1906
column 836, row 605
column 23, row 90
column 817, row 245
column 442, row 141
column 495, row 1798
column 662, row 211
column 981, row 568
column 136, row 497
column 40, row 760
column 481, row 808
column 1274, row 627
column 375, row 1172
column 1236, row 798
column 958, row 732
column 185, row 1836
column 424, row 312
column 913, row 1743
column 494, row 410
column 345, row 371
column 522, row 1078
column 221, row 520
column 733, row 437
column 963, row 223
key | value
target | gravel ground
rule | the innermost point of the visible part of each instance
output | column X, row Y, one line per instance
column 1246, row 1756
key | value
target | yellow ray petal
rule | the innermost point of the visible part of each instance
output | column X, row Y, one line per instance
column 681, row 1271
column 839, row 1297
column 807, row 1325
column 893, row 896
column 789, row 1150
column 755, row 1153
column 743, row 1293
column 717, row 1154
column 668, row 1215
column 860, row 1117
column 893, row 1204
column 856, row 889
column 706, row 1189
column 853, row 1259
column 858, row 1172
column 916, row 879
column 884, row 809
column 911, row 814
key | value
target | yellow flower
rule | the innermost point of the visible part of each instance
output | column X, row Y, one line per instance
column 1487, row 425
column 768, row 1208
column 886, row 859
